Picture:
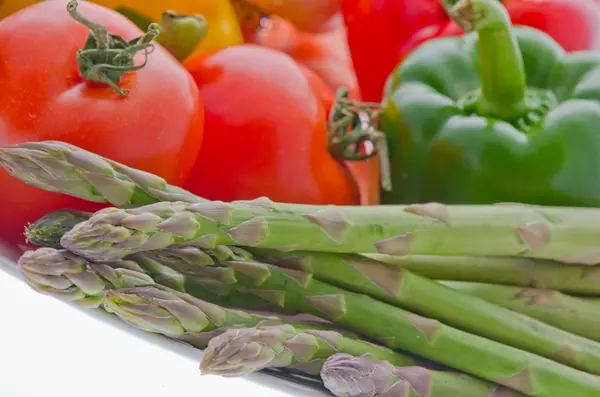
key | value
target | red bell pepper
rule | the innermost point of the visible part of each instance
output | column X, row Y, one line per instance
column 383, row 32
column 376, row 31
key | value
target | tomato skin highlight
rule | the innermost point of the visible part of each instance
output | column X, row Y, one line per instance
column 157, row 128
column 265, row 131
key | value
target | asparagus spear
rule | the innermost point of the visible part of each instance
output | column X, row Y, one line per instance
column 65, row 168
column 159, row 309
column 507, row 230
column 241, row 351
column 365, row 376
column 71, row 278
column 238, row 352
column 577, row 279
column 428, row 338
column 418, row 294
column 65, row 276
column 577, row 315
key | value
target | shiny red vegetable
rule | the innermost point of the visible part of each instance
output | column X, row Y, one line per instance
column 45, row 95
column 265, row 131
column 382, row 32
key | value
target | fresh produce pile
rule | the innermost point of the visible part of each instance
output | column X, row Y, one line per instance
column 228, row 217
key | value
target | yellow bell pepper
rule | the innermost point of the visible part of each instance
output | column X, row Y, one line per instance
column 223, row 26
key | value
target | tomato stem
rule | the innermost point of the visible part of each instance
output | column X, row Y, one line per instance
column 351, row 124
column 106, row 57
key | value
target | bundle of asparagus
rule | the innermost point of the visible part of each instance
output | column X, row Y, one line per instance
column 158, row 264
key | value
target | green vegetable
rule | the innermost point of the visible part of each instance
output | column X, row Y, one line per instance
column 365, row 376
column 65, row 168
column 426, row 297
column 71, row 278
column 502, row 114
column 395, row 328
column 577, row 315
column 567, row 234
column 161, row 310
column 241, row 351
column 578, row 279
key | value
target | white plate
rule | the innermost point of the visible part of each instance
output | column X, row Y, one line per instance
column 48, row 347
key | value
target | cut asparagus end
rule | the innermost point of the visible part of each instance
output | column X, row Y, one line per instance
column 48, row 230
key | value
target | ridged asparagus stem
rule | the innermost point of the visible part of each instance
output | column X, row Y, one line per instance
column 346, row 375
column 535, row 273
column 238, row 352
column 180, row 316
column 558, row 233
column 64, row 168
column 428, row 338
column 426, row 297
column 65, row 276
column 71, row 278
column 580, row 316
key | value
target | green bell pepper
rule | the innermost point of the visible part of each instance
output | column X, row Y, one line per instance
column 501, row 114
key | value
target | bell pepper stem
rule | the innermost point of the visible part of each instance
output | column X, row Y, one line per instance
column 502, row 72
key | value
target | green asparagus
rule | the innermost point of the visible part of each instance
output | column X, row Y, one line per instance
column 346, row 375
column 179, row 316
column 579, row 316
column 577, row 279
column 428, row 338
column 71, row 278
column 504, row 230
column 426, row 297
column 241, row 351
column 65, row 168
column 60, row 274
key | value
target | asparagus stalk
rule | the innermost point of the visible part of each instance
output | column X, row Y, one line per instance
column 579, row 316
column 428, row 338
column 159, row 309
column 505, row 230
column 241, row 351
column 71, row 278
column 64, row 168
column 65, row 276
column 346, row 375
column 576, row 279
column 464, row 311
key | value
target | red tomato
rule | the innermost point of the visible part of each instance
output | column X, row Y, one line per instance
column 266, row 131
column 156, row 128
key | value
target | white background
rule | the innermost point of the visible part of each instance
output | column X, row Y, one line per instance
column 50, row 348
